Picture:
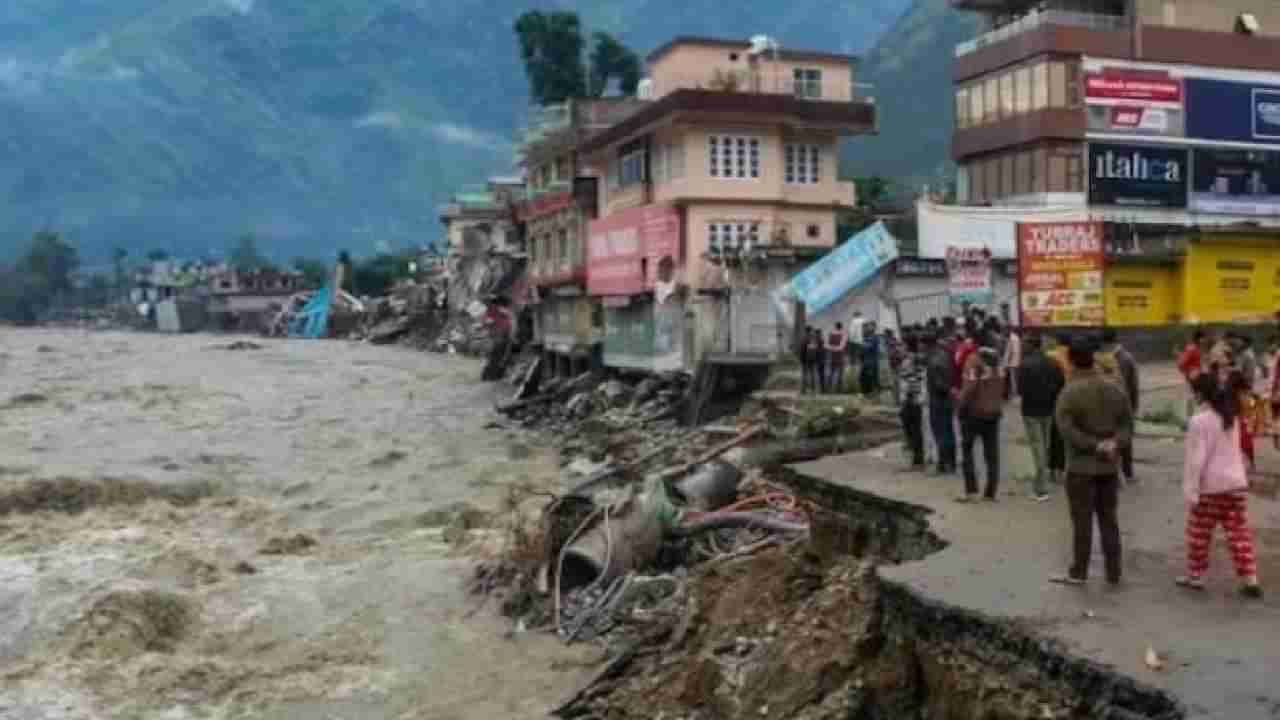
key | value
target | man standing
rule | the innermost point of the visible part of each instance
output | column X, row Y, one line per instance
column 1041, row 381
column 979, row 405
column 910, row 377
column 941, row 408
column 1095, row 420
column 1127, row 370
column 895, row 349
column 856, row 327
column 1012, row 360
column 810, row 348
column 870, row 371
column 837, row 349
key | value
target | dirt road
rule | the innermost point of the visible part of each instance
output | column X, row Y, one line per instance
column 253, row 533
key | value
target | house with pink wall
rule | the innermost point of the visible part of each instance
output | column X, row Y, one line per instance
column 739, row 143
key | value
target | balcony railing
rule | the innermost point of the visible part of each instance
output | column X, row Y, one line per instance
column 765, row 81
column 1040, row 18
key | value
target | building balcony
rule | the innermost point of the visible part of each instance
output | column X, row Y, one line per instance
column 1037, row 19
column 761, row 81
column 554, row 128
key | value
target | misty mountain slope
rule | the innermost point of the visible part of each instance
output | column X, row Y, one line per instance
column 317, row 124
column 911, row 69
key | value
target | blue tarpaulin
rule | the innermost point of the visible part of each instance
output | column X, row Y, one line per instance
column 312, row 321
column 843, row 270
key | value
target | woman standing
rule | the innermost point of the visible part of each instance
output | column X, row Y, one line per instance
column 1215, row 486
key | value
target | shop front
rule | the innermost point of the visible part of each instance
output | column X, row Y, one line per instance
column 635, row 268
column 1230, row 278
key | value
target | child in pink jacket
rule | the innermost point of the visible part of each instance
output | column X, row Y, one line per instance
column 1216, row 486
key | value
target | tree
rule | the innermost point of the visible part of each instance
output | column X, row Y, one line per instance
column 118, row 258
column 611, row 59
column 158, row 255
column 245, row 256
column 873, row 190
column 551, row 47
column 52, row 260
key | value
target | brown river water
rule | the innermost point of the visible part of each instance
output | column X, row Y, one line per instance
column 188, row 531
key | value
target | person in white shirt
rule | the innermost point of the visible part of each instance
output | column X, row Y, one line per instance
column 856, row 336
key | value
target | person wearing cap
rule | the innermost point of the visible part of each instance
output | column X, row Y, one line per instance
column 1096, row 420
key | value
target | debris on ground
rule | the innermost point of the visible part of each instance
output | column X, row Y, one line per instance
column 291, row 545
column 239, row 345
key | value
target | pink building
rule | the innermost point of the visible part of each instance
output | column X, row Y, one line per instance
column 713, row 192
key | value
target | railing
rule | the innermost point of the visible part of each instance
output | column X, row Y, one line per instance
column 764, row 81
column 1040, row 18
column 552, row 188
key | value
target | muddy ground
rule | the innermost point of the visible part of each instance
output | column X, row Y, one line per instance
column 191, row 531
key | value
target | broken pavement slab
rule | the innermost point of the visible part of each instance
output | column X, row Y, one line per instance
column 999, row 558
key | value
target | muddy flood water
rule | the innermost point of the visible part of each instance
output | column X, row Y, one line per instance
column 191, row 531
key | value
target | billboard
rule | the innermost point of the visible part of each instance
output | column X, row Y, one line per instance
column 1238, row 182
column 969, row 275
column 1060, row 274
column 842, row 270
column 1120, row 100
column 631, row 251
column 1233, row 111
column 1137, row 176
column 941, row 226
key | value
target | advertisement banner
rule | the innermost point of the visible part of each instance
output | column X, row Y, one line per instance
column 1233, row 111
column 1060, row 274
column 1128, row 101
column 941, row 226
column 969, row 275
column 1238, row 182
column 842, row 270
column 632, row 251
column 1137, row 176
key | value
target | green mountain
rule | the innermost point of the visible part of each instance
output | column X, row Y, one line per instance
column 910, row 68
column 315, row 124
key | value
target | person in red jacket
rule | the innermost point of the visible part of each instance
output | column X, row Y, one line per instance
column 967, row 345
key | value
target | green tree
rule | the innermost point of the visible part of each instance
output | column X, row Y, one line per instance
column 119, row 258
column 551, row 47
column 245, row 255
column 611, row 59
column 158, row 255
column 314, row 272
column 873, row 191
column 51, row 259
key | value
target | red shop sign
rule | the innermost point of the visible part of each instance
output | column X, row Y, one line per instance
column 628, row 250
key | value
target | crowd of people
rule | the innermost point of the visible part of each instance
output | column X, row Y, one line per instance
column 1078, row 393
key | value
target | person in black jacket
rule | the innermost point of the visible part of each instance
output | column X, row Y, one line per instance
column 1040, row 380
column 940, row 374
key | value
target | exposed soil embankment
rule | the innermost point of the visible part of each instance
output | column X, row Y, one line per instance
column 810, row 630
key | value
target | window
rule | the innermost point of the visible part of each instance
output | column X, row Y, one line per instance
column 733, row 156
column 1034, row 172
column 562, row 247
column 808, row 82
column 660, row 163
column 1075, row 175
column 962, row 108
column 1006, row 95
column 976, row 116
column 1022, row 91
column 1073, row 85
column 675, row 159
column 1040, row 86
column 802, row 164
column 732, row 235
column 1007, row 170
column 1057, row 84
column 562, row 170
column 631, row 165
column 990, row 103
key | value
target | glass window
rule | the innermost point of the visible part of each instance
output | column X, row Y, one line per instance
column 1022, row 91
column 713, row 156
column 1040, row 86
column 1008, row 168
column 807, row 82
column 1057, row 84
column 993, row 178
column 1006, row 95
column 990, row 91
column 976, row 116
column 1073, row 85
column 660, row 163
column 713, row 237
column 1036, row 174
column 1057, row 173
column 1075, row 179
column 789, row 162
column 962, row 108
column 734, row 156
column 675, row 159
column 802, row 164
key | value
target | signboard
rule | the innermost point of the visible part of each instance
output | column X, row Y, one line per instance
column 842, row 270
column 969, row 275
column 1060, row 274
column 1137, row 176
column 941, row 226
column 631, row 251
column 1233, row 111
column 914, row 267
column 1238, row 182
column 1127, row 101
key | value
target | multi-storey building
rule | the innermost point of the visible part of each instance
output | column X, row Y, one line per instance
column 560, row 199
column 731, row 163
column 1158, row 118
